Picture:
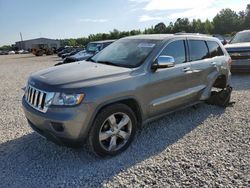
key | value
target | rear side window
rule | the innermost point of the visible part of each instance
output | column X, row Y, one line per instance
column 198, row 50
column 176, row 49
column 214, row 49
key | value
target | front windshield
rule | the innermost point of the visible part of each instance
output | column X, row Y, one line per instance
column 81, row 52
column 126, row 52
column 93, row 47
column 241, row 37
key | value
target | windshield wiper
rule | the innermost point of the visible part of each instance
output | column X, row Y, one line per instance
column 109, row 63
column 90, row 59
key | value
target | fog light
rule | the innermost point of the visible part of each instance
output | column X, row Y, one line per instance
column 57, row 126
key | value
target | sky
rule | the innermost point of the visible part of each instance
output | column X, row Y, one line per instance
column 59, row 19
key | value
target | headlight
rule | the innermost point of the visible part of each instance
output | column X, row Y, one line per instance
column 67, row 99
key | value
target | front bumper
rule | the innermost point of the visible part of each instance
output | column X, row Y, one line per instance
column 60, row 124
column 241, row 65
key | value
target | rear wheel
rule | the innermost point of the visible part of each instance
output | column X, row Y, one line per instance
column 113, row 130
column 39, row 52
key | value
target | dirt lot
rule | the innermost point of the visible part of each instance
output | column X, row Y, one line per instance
column 203, row 146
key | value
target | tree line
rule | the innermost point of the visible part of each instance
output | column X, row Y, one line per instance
column 226, row 22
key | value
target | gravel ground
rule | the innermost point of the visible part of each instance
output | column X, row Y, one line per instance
column 204, row 146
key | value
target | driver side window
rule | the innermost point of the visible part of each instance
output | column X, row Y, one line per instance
column 176, row 49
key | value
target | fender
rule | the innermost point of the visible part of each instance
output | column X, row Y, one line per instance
column 110, row 102
column 207, row 91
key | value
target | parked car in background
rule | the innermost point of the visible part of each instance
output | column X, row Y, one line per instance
column 22, row 52
column 60, row 49
column 64, row 51
column 3, row 52
column 239, row 50
column 73, row 52
column 91, row 49
column 221, row 38
column 104, row 100
column 11, row 52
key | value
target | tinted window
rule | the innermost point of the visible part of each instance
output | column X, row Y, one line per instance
column 93, row 47
column 198, row 50
column 106, row 44
column 214, row 49
column 176, row 49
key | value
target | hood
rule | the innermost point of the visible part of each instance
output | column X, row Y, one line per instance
column 79, row 57
column 243, row 45
column 75, row 75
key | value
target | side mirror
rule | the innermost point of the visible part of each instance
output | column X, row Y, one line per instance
column 163, row 62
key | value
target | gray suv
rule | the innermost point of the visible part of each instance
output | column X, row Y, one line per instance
column 104, row 100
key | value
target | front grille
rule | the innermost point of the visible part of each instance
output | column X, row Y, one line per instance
column 239, row 55
column 38, row 99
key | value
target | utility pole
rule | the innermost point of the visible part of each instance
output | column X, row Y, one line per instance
column 21, row 41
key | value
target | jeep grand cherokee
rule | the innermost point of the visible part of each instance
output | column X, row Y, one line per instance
column 103, row 101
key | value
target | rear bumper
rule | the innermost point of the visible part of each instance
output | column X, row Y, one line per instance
column 242, row 65
column 60, row 124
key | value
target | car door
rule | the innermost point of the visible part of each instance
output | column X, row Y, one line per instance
column 172, row 87
column 216, row 55
column 202, row 64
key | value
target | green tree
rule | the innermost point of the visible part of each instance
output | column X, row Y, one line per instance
column 182, row 25
column 227, row 21
column 124, row 34
column 160, row 28
column 82, row 41
column 209, row 27
column 72, row 42
column 114, row 34
column 134, row 32
column 197, row 26
column 170, row 28
column 6, row 47
column 247, row 18
column 149, row 30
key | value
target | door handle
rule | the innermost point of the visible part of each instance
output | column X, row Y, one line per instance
column 186, row 69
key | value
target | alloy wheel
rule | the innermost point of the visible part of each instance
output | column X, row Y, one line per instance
column 115, row 131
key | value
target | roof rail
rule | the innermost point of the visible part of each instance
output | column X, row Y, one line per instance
column 183, row 33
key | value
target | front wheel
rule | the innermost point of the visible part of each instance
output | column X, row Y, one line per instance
column 113, row 130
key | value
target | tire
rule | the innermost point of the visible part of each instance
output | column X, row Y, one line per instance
column 105, row 134
column 220, row 98
column 39, row 53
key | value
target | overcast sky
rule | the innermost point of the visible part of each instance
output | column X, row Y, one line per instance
column 79, row 18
